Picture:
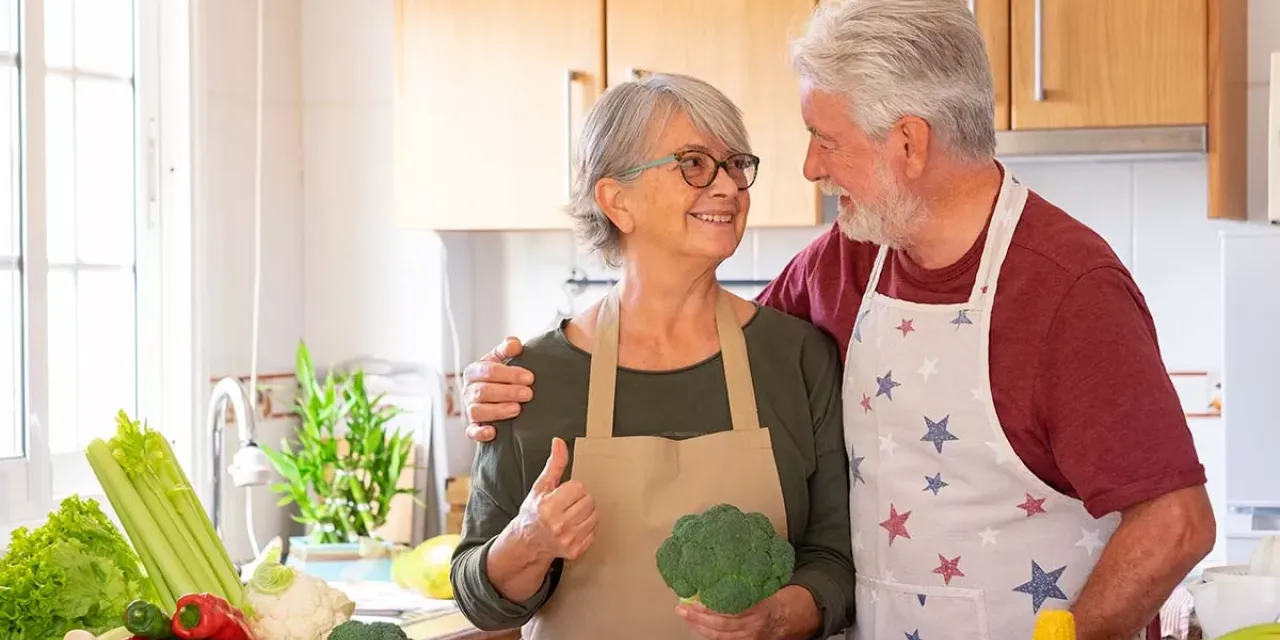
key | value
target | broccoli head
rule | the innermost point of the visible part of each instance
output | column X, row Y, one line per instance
column 357, row 630
column 726, row 559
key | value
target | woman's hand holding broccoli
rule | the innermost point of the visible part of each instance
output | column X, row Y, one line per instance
column 556, row 520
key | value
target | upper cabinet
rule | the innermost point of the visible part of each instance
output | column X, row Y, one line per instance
column 493, row 92
column 993, row 19
column 740, row 47
column 1109, row 63
column 1100, row 77
column 491, row 95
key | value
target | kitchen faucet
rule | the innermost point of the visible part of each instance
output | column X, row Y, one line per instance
column 250, row 466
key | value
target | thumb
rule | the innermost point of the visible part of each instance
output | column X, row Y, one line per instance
column 556, row 462
column 509, row 349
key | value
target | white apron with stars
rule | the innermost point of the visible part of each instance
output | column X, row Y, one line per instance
column 953, row 537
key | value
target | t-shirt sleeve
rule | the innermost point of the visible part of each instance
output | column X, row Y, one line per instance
column 497, row 490
column 824, row 557
column 789, row 291
column 1113, row 420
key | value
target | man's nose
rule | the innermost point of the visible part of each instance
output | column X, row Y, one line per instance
column 813, row 169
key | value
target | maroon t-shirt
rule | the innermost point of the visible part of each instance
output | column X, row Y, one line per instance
column 1076, row 373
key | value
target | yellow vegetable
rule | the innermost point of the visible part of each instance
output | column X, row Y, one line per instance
column 426, row 567
column 1254, row 632
column 1055, row 624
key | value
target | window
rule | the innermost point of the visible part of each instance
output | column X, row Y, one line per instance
column 79, row 238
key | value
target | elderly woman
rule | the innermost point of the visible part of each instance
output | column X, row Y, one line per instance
column 668, row 396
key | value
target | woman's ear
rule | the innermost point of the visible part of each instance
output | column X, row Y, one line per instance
column 613, row 201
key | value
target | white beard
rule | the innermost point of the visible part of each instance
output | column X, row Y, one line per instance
column 890, row 220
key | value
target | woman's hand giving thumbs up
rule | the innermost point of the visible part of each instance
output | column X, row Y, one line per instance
column 555, row 521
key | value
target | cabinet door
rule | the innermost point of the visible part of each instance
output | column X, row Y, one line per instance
column 1109, row 63
column 741, row 47
column 492, row 93
column 993, row 20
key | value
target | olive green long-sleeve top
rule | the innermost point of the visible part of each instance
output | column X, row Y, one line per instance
column 796, row 372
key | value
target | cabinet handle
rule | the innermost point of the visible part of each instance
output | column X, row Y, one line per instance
column 637, row 74
column 569, row 77
column 973, row 8
column 1039, row 51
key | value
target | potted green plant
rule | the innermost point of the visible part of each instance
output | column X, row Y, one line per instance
column 342, row 470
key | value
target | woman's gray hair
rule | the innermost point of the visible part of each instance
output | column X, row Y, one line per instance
column 893, row 58
column 618, row 135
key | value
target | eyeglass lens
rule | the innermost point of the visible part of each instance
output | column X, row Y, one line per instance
column 700, row 169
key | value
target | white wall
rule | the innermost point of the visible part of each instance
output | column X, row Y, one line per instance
column 225, row 95
column 341, row 275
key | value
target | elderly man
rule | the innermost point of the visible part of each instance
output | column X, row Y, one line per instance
column 1015, row 441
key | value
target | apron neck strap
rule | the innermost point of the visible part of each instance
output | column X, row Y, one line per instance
column 604, row 368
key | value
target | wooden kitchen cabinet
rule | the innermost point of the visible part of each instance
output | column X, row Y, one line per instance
column 740, row 47
column 490, row 94
column 993, row 19
column 1108, row 63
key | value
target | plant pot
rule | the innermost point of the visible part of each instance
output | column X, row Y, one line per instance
column 342, row 561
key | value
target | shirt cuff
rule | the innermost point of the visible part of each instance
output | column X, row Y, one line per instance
column 834, row 605
column 495, row 609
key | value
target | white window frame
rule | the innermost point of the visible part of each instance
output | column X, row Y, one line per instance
column 165, row 258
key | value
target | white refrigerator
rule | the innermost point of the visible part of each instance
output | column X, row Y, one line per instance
column 1251, row 387
column 1251, row 363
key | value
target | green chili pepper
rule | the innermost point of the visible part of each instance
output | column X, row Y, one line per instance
column 146, row 620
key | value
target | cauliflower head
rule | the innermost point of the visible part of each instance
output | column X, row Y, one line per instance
column 291, row 605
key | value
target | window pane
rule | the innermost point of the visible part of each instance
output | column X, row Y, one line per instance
column 58, row 33
column 60, row 163
column 104, row 169
column 11, row 432
column 9, row 149
column 63, row 375
column 104, row 36
column 108, row 358
column 8, row 25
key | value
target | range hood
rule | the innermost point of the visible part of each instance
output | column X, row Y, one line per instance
column 1103, row 141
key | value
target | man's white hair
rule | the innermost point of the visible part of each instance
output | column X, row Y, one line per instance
column 894, row 58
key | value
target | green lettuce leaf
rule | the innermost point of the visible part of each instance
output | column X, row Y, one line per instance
column 73, row 572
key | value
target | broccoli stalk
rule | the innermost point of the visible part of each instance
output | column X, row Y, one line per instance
column 725, row 559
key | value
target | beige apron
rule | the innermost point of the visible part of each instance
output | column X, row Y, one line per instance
column 641, row 485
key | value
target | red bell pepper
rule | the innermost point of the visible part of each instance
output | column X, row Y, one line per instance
column 204, row 616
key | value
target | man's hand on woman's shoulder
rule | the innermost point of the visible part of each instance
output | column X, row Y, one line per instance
column 493, row 390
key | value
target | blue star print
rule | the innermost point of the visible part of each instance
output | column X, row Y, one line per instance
column 962, row 317
column 921, row 598
column 938, row 432
column 914, row 635
column 1042, row 586
column 935, row 483
column 857, row 326
column 857, row 464
column 886, row 385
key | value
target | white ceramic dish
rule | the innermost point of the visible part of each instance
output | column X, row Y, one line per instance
column 1226, row 602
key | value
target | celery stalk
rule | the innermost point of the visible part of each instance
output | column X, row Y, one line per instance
column 180, row 540
column 131, row 529
column 201, row 527
column 149, row 532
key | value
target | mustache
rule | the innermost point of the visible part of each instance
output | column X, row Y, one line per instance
column 830, row 188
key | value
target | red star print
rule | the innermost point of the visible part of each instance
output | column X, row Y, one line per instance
column 866, row 403
column 1032, row 506
column 896, row 525
column 949, row 568
column 906, row 327
column 984, row 288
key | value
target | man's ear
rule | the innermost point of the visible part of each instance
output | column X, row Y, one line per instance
column 613, row 201
column 915, row 136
